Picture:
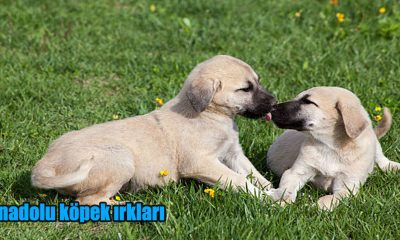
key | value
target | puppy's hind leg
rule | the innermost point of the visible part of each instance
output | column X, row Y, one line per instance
column 383, row 162
column 114, row 167
column 104, row 195
column 342, row 187
column 323, row 182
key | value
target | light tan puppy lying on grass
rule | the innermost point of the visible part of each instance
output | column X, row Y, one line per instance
column 334, row 147
column 192, row 136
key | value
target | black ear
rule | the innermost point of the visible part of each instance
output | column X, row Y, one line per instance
column 201, row 92
column 353, row 118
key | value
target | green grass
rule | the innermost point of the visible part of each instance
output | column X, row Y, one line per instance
column 65, row 65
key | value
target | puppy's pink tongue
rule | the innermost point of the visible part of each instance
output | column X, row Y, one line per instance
column 268, row 117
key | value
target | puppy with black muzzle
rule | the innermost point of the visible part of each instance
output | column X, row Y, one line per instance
column 192, row 136
column 331, row 143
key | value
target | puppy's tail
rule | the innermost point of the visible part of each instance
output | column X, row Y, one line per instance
column 384, row 126
column 44, row 176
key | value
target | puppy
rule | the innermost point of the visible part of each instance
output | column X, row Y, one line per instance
column 192, row 136
column 332, row 144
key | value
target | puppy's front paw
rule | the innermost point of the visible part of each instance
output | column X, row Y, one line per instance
column 266, row 185
column 327, row 203
column 275, row 194
column 259, row 182
column 281, row 196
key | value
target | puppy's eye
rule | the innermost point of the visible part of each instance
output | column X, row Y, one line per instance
column 305, row 100
column 308, row 101
column 246, row 89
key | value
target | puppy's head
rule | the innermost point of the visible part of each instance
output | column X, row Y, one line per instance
column 227, row 85
column 324, row 111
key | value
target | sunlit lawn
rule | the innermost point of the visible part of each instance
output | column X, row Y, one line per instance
column 65, row 65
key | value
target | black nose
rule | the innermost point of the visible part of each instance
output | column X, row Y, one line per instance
column 273, row 101
column 274, row 106
column 279, row 107
column 270, row 99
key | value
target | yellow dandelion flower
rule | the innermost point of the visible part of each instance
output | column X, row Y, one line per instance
column 340, row 17
column 153, row 8
column 118, row 198
column 378, row 109
column 297, row 14
column 159, row 101
column 378, row 118
column 334, row 2
column 382, row 10
column 210, row 192
column 115, row 117
column 164, row 173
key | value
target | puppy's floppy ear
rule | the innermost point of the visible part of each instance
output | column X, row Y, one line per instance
column 353, row 117
column 201, row 91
